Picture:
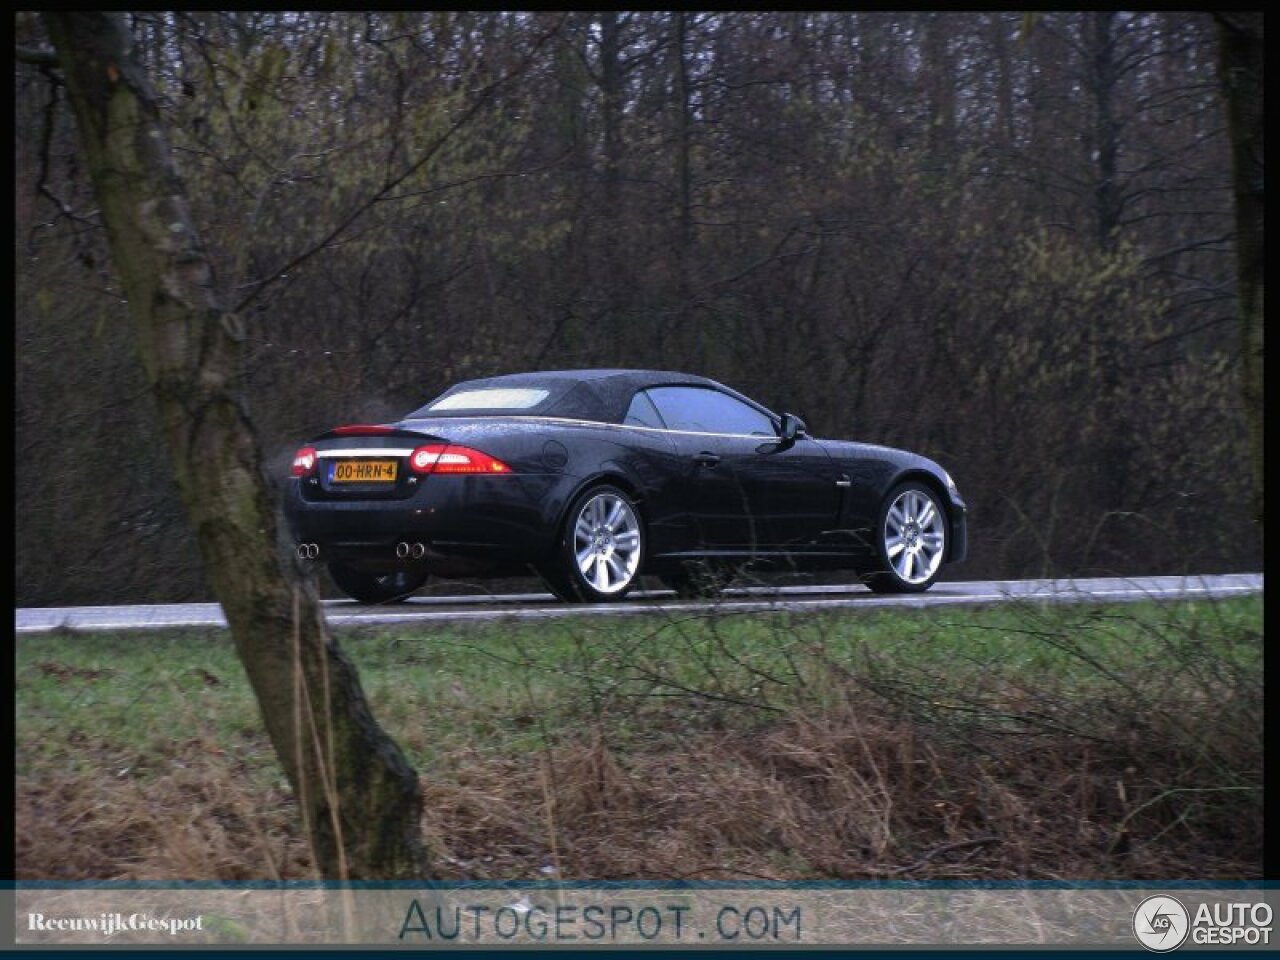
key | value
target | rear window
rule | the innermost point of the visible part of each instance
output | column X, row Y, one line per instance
column 490, row 398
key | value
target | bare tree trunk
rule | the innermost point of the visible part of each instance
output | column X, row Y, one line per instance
column 1241, row 51
column 613, row 285
column 684, row 176
column 358, row 795
column 611, row 104
column 940, row 84
column 1004, row 82
column 1099, row 38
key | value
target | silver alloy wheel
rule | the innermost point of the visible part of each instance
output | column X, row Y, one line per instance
column 606, row 542
column 915, row 536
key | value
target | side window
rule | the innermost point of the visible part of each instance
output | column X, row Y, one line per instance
column 703, row 410
column 642, row 412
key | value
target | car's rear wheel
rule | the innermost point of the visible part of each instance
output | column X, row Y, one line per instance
column 369, row 587
column 601, row 548
column 911, row 541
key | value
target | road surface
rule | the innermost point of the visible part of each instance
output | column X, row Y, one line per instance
column 525, row 606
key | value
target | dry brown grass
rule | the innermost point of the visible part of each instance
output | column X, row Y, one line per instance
column 858, row 791
column 193, row 815
column 849, row 794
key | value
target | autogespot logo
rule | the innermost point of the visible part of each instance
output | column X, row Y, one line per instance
column 1161, row 923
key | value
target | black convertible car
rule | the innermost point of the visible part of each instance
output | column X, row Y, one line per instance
column 593, row 477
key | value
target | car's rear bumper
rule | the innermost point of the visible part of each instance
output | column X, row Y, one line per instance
column 502, row 519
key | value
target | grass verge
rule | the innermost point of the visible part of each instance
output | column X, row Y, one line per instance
column 1027, row 742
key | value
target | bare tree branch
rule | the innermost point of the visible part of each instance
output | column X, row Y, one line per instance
column 391, row 184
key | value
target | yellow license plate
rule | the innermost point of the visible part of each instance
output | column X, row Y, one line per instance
column 364, row 471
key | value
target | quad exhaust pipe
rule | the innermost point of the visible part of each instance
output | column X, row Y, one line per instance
column 404, row 551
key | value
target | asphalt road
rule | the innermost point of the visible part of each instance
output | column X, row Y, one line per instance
column 345, row 613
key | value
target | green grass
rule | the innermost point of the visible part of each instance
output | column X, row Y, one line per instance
column 509, row 686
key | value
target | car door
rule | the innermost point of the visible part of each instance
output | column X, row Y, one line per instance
column 795, row 492
column 746, row 489
column 713, row 508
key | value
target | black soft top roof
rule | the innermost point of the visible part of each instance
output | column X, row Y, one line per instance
column 598, row 395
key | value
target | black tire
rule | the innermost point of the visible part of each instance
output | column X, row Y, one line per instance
column 366, row 586
column 911, row 540
column 600, row 553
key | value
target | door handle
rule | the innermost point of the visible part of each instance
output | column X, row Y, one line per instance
column 706, row 459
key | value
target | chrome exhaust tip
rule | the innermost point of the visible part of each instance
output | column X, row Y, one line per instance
column 308, row 551
column 418, row 551
column 402, row 550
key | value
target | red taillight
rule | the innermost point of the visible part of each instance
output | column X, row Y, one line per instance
column 444, row 458
column 304, row 462
column 364, row 429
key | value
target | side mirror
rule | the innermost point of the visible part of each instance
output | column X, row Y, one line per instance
column 791, row 428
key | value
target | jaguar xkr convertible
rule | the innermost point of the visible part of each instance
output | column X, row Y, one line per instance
column 592, row 478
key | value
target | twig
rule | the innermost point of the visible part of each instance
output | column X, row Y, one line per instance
column 946, row 848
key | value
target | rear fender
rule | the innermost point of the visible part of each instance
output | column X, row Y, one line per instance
column 611, row 474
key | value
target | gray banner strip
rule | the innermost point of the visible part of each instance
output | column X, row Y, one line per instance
column 610, row 916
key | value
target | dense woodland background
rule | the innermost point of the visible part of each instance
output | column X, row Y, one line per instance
column 1010, row 249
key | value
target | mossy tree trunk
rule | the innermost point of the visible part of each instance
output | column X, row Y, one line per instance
column 358, row 795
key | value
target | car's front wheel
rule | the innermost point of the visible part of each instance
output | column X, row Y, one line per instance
column 601, row 548
column 911, row 541
column 368, row 587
